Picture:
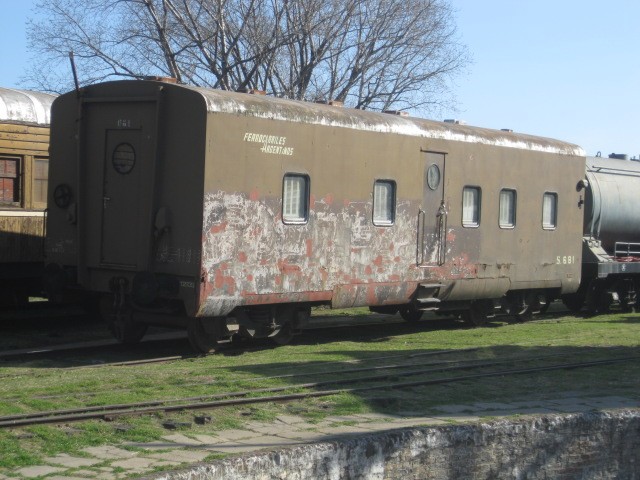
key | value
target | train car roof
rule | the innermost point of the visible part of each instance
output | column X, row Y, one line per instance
column 24, row 106
column 321, row 114
column 263, row 106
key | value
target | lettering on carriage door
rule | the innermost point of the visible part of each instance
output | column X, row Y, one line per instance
column 432, row 219
column 121, row 188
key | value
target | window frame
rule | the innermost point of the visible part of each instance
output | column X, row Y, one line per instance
column 35, row 203
column 554, row 225
column 305, row 198
column 476, row 223
column 514, row 214
column 18, row 190
column 392, row 212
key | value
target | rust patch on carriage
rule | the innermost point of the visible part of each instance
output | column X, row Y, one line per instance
column 223, row 281
column 248, row 252
column 218, row 228
column 289, row 269
column 251, row 298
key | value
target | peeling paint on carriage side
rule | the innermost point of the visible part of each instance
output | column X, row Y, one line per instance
column 249, row 253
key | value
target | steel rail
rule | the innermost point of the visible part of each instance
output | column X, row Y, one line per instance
column 450, row 366
column 79, row 346
column 137, row 409
column 243, row 393
column 184, row 357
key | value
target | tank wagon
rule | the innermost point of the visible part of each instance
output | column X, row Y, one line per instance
column 232, row 214
column 611, row 236
column 24, row 157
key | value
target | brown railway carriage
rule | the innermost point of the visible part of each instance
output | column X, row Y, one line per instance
column 233, row 212
column 24, row 157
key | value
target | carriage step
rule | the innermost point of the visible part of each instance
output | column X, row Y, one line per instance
column 428, row 300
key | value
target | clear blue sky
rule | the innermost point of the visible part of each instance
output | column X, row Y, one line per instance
column 568, row 69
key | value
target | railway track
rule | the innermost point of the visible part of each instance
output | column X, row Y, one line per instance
column 78, row 347
column 317, row 323
column 294, row 392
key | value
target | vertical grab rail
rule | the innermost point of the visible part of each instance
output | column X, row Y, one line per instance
column 44, row 233
column 420, row 238
column 442, row 233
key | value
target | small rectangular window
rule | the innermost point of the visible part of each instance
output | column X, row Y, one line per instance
column 10, row 181
column 295, row 198
column 549, row 211
column 40, row 179
column 507, row 208
column 384, row 202
column 471, row 206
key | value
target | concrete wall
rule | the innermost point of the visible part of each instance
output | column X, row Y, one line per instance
column 593, row 445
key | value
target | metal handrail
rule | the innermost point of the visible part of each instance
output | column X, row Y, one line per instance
column 625, row 249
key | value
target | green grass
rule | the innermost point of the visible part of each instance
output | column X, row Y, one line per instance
column 55, row 384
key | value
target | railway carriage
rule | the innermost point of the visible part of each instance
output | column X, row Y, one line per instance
column 232, row 213
column 24, row 156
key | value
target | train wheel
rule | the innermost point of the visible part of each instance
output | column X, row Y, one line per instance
column 518, row 305
column 283, row 334
column 121, row 323
column 205, row 333
column 525, row 315
column 573, row 301
column 604, row 303
column 544, row 308
column 410, row 313
column 289, row 320
column 478, row 313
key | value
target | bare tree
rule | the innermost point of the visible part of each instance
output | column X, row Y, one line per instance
column 371, row 54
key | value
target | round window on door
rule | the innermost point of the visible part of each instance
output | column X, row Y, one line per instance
column 433, row 176
column 124, row 158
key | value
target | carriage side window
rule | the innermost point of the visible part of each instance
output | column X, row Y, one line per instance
column 384, row 202
column 549, row 211
column 295, row 198
column 471, row 206
column 507, row 216
column 10, row 181
column 40, row 179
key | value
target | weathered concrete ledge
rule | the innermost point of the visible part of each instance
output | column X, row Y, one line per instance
column 592, row 445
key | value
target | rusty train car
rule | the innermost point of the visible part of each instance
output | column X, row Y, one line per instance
column 24, row 158
column 232, row 214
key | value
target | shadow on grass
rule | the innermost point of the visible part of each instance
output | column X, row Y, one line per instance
column 42, row 334
column 449, row 389
column 615, row 318
column 372, row 329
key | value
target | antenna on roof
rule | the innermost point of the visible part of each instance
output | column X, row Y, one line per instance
column 75, row 72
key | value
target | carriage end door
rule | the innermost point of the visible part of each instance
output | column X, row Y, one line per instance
column 432, row 220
